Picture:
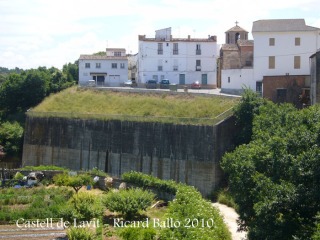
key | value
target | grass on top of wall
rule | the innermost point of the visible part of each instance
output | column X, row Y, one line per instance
column 103, row 104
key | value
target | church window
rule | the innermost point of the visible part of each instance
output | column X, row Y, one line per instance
column 237, row 37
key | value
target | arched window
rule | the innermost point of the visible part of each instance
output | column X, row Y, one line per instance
column 237, row 37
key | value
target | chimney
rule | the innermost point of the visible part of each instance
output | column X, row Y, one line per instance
column 141, row 37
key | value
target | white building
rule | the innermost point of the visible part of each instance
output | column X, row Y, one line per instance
column 181, row 60
column 283, row 47
column 110, row 69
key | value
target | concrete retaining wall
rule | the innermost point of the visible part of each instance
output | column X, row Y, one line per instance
column 184, row 153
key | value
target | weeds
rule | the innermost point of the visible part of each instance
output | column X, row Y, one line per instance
column 105, row 105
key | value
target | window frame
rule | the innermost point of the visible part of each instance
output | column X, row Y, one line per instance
column 297, row 62
column 160, row 48
column 272, row 62
column 272, row 41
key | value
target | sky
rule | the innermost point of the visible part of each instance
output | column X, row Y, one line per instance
column 50, row 33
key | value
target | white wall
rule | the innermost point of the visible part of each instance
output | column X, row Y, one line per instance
column 110, row 80
column 149, row 60
column 233, row 80
column 284, row 52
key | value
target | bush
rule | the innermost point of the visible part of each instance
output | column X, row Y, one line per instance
column 18, row 176
column 225, row 198
column 83, row 207
column 74, row 233
column 97, row 172
column 38, row 203
column 44, row 168
column 133, row 233
column 205, row 220
column 147, row 181
column 129, row 202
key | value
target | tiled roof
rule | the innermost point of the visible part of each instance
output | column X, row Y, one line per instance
column 281, row 25
column 229, row 47
column 116, row 49
column 236, row 29
column 99, row 57
column 245, row 42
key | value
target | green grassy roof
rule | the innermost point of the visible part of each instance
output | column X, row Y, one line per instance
column 103, row 104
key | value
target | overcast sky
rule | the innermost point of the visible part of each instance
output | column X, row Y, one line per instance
column 50, row 33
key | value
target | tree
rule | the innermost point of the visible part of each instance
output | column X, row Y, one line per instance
column 9, row 90
column 11, row 138
column 275, row 178
column 71, row 71
column 76, row 182
column 35, row 87
column 244, row 113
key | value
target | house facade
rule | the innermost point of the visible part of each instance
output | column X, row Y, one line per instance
column 109, row 70
column 181, row 60
column 282, row 48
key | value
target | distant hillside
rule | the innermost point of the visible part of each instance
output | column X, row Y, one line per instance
column 99, row 104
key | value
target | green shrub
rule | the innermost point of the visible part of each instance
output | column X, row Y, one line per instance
column 39, row 203
column 147, row 181
column 74, row 233
column 44, row 168
column 129, row 202
column 82, row 206
column 97, row 172
column 18, row 176
column 225, row 198
column 197, row 218
column 134, row 233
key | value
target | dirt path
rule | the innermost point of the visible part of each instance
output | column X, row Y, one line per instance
column 12, row 232
column 230, row 216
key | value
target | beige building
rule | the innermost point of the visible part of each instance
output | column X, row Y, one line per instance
column 236, row 61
